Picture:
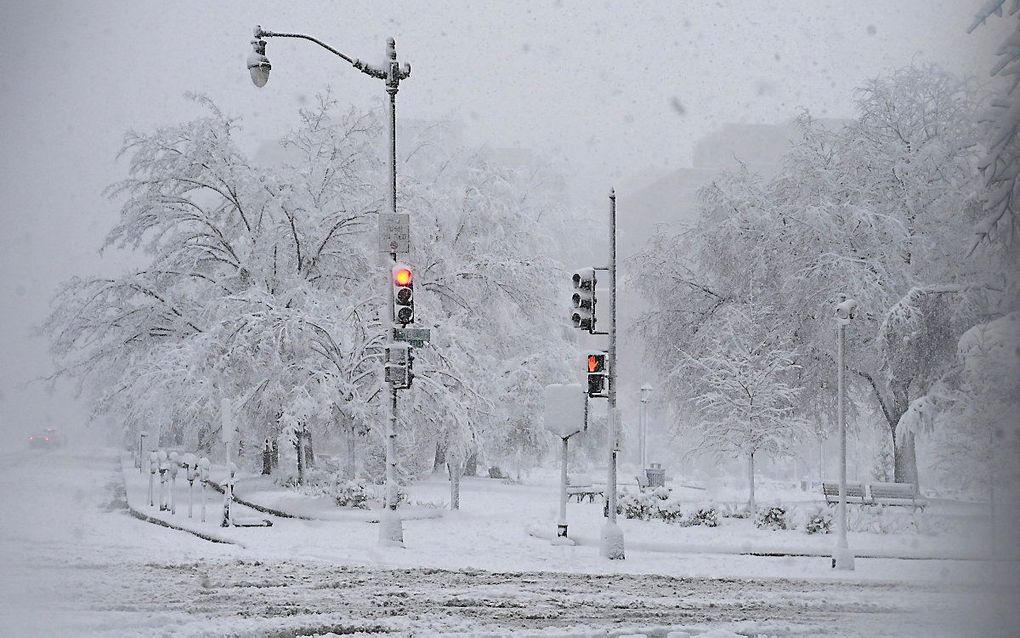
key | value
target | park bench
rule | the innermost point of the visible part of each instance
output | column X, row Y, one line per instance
column 580, row 489
column 895, row 494
column 854, row 493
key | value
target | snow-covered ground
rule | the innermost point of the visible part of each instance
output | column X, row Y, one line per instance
column 76, row 564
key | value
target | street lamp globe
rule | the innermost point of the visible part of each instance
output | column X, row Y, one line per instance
column 646, row 392
column 258, row 63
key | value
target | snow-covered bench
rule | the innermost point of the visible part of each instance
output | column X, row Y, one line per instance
column 875, row 494
column 854, row 493
column 580, row 488
column 895, row 494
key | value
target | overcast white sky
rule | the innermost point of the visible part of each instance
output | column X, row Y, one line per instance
column 593, row 86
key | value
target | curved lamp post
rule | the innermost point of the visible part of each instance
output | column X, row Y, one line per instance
column 842, row 557
column 390, row 527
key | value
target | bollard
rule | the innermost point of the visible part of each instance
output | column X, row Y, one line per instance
column 203, row 469
column 174, row 466
column 153, row 464
column 164, row 466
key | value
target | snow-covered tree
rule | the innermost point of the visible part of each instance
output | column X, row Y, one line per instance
column 742, row 386
column 1001, row 163
column 874, row 209
column 261, row 286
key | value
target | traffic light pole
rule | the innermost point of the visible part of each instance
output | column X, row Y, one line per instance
column 612, row 536
column 391, row 528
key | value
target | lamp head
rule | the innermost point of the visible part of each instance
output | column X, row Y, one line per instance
column 646, row 392
column 258, row 63
column 845, row 311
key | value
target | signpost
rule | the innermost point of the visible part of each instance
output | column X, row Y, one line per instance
column 566, row 414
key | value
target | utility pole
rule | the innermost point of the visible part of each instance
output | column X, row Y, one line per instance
column 612, row 536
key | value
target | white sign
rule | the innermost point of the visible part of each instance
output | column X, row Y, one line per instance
column 565, row 406
column 394, row 232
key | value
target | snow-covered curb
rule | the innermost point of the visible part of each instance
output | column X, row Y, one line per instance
column 747, row 549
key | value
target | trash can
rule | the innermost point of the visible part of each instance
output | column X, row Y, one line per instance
column 656, row 475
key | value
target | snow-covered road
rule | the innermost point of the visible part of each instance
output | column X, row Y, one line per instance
column 74, row 563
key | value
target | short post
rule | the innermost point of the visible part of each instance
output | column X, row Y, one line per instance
column 191, row 467
column 174, row 466
column 203, row 473
column 153, row 468
column 164, row 466
column 228, row 495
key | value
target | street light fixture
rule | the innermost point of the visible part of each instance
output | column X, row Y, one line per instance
column 391, row 72
column 846, row 309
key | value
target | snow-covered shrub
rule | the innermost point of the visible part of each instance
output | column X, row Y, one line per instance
column 634, row 505
column 705, row 515
column 819, row 521
column 728, row 510
column 772, row 517
column 351, row 494
column 668, row 510
column 662, row 493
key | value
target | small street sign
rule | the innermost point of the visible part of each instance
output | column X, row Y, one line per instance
column 394, row 232
column 417, row 337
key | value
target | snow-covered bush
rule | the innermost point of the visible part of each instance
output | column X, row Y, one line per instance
column 734, row 511
column 351, row 494
column 705, row 515
column 668, row 510
column 819, row 521
column 634, row 505
column 662, row 493
column 773, row 517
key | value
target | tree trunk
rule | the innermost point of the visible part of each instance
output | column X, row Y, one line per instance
column 905, row 460
column 471, row 466
column 299, row 447
column 750, row 478
column 455, row 469
column 351, row 459
column 309, row 451
column 440, row 459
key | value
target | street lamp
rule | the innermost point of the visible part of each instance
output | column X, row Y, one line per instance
column 391, row 72
column 646, row 392
column 842, row 557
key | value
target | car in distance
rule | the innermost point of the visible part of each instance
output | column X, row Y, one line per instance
column 48, row 438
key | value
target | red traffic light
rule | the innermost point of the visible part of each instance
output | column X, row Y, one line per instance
column 402, row 276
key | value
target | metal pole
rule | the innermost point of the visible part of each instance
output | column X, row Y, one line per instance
column 612, row 535
column 842, row 558
column 561, row 527
column 391, row 531
column 642, row 459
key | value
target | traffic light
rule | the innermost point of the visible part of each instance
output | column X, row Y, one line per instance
column 584, row 300
column 403, row 294
column 598, row 376
column 399, row 365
